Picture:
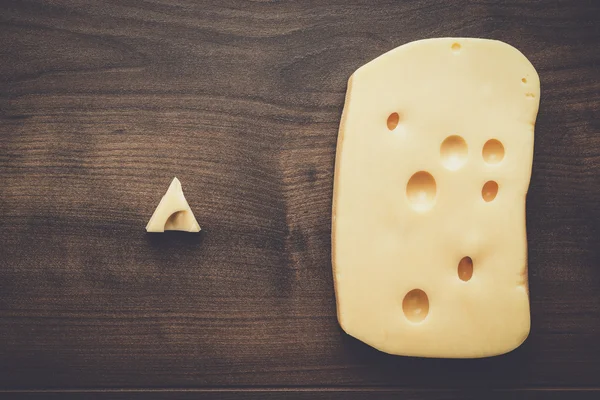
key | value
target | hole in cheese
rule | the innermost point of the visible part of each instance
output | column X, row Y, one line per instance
column 415, row 305
column 421, row 191
column 175, row 220
column 493, row 151
column 453, row 152
column 456, row 47
column 524, row 80
column 489, row 191
column 465, row 269
column 393, row 120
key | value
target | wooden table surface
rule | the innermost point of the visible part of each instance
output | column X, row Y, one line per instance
column 102, row 103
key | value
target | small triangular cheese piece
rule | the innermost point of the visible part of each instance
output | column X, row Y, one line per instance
column 173, row 212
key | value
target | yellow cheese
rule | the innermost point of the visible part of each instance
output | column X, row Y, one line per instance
column 433, row 164
column 173, row 212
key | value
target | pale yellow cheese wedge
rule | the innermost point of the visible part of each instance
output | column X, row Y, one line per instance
column 173, row 212
column 433, row 164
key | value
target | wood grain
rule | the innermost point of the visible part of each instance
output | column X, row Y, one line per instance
column 310, row 394
column 102, row 103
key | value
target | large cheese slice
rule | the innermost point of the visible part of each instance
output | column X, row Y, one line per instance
column 433, row 164
column 173, row 212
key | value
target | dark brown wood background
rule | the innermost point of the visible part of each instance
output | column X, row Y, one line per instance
column 103, row 102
